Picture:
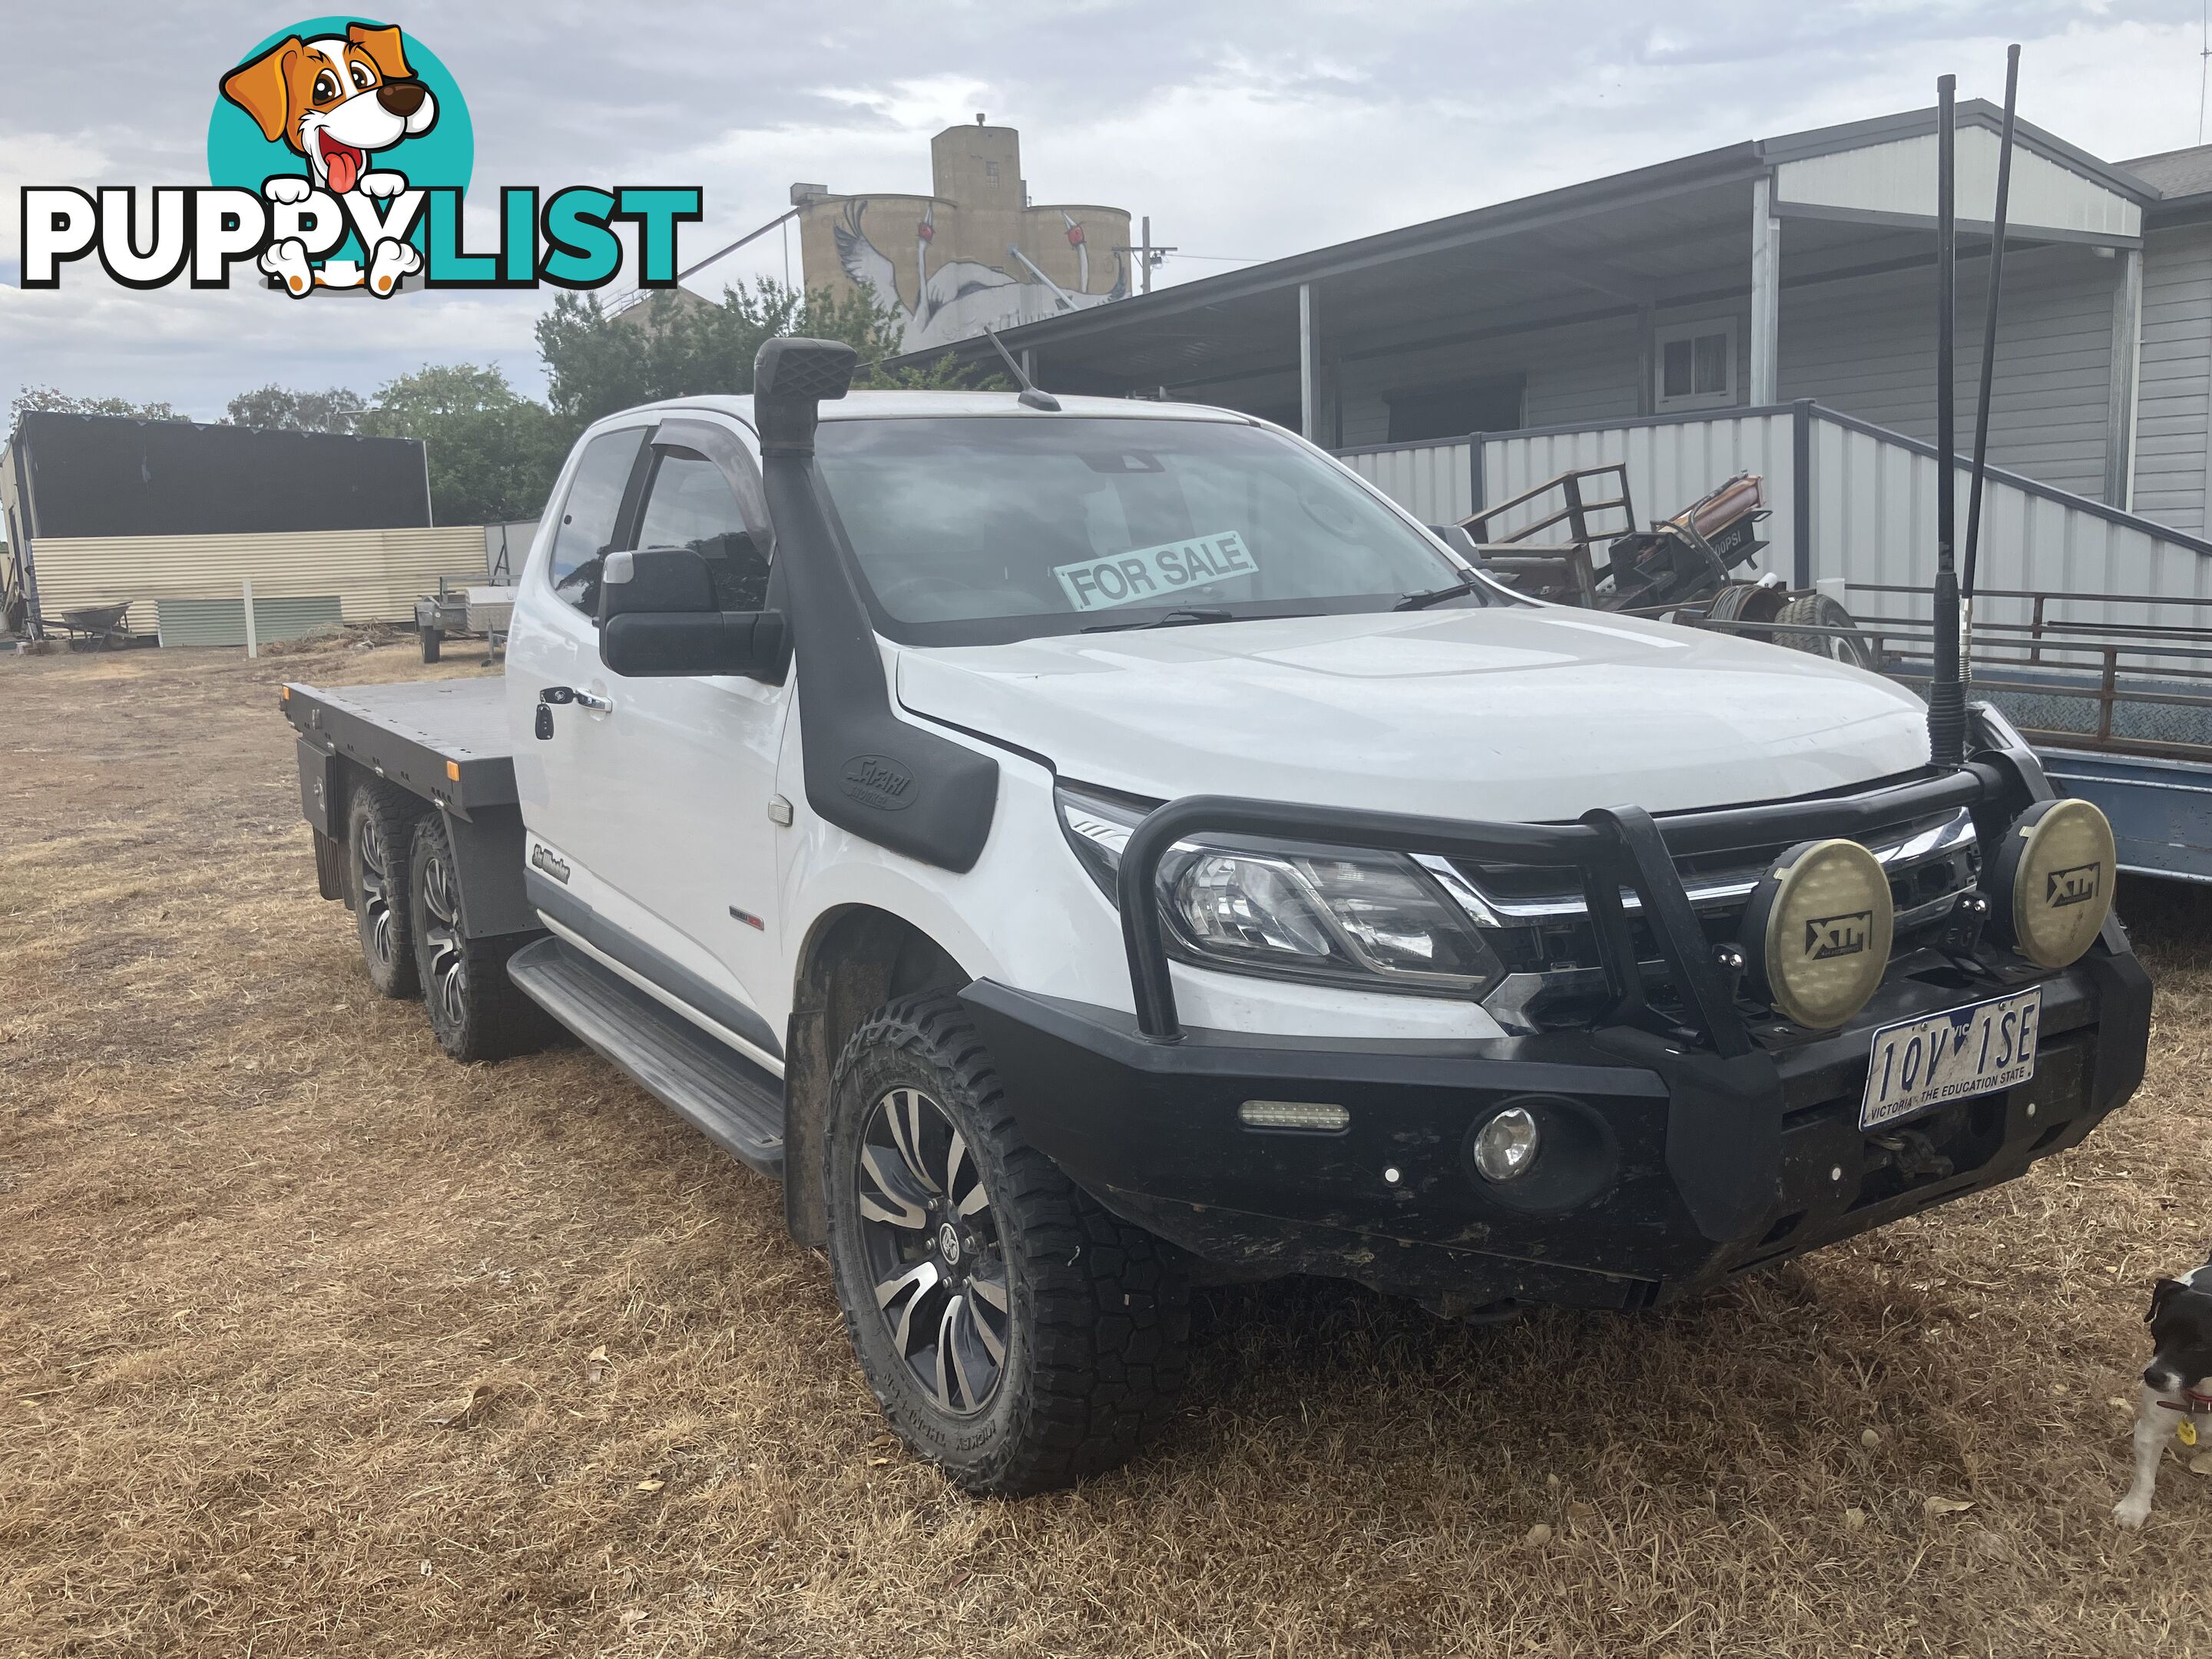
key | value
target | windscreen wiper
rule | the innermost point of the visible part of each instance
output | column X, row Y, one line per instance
column 1439, row 595
column 1166, row 619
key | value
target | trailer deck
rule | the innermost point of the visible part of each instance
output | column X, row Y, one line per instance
column 445, row 740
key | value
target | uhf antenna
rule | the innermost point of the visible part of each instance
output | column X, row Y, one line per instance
column 1031, row 395
column 1947, row 697
column 1989, row 370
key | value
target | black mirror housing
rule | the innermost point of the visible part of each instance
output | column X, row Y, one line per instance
column 657, row 580
column 650, row 644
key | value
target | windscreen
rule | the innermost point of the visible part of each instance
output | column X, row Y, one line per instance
column 995, row 528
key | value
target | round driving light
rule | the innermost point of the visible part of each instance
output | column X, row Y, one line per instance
column 1817, row 932
column 2054, row 881
column 1506, row 1146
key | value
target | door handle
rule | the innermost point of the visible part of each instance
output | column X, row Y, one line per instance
column 561, row 693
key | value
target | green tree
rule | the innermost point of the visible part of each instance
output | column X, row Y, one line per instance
column 493, row 452
column 46, row 399
column 337, row 410
column 675, row 344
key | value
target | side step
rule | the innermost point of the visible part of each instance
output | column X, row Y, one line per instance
column 723, row 1095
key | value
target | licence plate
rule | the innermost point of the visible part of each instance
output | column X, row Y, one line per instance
column 1918, row 1063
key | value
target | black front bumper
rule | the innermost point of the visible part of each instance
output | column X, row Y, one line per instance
column 1673, row 1168
column 1682, row 1143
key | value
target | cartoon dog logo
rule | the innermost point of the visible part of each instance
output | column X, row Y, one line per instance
column 337, row 99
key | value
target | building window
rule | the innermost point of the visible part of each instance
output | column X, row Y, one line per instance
column 1490, row 403
column 1695, row 365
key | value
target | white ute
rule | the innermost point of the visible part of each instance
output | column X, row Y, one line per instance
column 1081, row 845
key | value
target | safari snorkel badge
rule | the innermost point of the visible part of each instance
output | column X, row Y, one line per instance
column 337, row 155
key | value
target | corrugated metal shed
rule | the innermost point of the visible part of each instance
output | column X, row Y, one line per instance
column 106, row 475
column 376, row 573
column 222, row 622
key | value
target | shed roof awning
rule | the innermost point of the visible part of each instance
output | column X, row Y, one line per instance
column 1663, row 234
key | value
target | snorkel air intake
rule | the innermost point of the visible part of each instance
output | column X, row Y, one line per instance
column 867, row 771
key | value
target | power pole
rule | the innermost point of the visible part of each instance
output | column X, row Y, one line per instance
column 1148, row 257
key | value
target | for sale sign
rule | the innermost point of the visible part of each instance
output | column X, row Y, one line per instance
column 1152, row 574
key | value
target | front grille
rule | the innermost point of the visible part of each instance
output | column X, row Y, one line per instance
column 1536, row 920
column 1926, row 857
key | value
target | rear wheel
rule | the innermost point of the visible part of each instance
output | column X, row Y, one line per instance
column 1013, row 1330
column 476, row 1011
column 1842, row 642
column 1747, row 603
column 380, row 829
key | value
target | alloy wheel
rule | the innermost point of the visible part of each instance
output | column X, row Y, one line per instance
column 376, row 886
column 933, row 1250
column 447, row 986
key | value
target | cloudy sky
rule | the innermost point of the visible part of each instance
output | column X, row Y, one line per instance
column 1246, row 129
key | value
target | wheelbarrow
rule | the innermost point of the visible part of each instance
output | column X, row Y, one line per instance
column 94, row 626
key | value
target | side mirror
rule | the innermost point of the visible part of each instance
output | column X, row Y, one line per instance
column 645, row 643
column 654, row 579
column 658, row 616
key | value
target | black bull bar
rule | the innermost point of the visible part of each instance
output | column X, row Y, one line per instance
column 1724, row 1131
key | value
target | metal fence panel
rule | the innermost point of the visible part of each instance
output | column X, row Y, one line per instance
column 1870, row 503
column 1873, row 525
column 222, row 622
column 377, row 573
column 1433, row 481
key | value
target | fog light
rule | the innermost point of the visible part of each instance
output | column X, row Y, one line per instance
column 1506, row 1146
column 2054, row 881
column 1818, row 931
column 1294, row 1115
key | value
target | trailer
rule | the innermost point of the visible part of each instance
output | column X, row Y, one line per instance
column 464, row 608
column 2113, row 695
column 1680, row 568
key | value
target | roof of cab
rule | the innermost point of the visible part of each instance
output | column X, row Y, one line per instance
column 885, row 405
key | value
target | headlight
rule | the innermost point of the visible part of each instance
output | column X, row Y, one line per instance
column 1373, row 919
column 2054, row 881
column 1818, row 931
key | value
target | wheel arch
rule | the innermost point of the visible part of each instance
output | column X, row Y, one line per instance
column 855, row 958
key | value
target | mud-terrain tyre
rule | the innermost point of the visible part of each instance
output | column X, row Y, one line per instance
column 476, row 1012
column 1747, row 603
column 380, row 833
column 1818, row 611
column 1064, row 1329
column 433, row 642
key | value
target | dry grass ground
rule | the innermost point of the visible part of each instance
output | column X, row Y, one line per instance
column 257, row 1238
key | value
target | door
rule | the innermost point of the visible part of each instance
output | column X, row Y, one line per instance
column 697, row 766
column 552, row 643
column 667, row 789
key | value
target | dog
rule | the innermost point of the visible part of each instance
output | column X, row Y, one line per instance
column 2177, row 1384
column 337, row 101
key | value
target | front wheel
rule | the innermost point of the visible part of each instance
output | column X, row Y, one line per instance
column 1013, row 1330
